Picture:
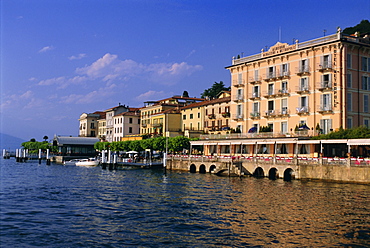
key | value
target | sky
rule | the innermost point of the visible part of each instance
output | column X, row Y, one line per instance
column 62, row 58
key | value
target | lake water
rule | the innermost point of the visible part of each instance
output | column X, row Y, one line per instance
column 69, row 206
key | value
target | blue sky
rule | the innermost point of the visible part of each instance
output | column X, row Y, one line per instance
column 65, row 57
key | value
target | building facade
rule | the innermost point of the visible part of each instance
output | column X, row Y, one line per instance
column 126, row 123
column 321, row 84
column 109, row 116
column 89, row 124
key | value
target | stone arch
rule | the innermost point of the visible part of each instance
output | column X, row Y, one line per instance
column 193, row 168
column 273, row 174
column 202, row 168
column 258, row 172
column 288, row 174
column 212, row 168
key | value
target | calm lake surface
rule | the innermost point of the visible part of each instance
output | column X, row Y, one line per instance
column 69, row 206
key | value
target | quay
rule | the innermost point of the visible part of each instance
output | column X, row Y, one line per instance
column 343, row 160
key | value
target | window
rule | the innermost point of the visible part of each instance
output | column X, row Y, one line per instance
column 256, row 107
column 284, row 87
column 326, row 80
column 270, row 106
column 284, row 70
column 191, row 116
column 270, row 89
column 303, row 67
column 303, row 105
column 130, row 120
column 256, row 75
column 326, row 61
column 349, row 101
column 130, row 130
column 349, row 80
column 364, row 63
column 256, row 91
column 349, row 61
column 239, row 111
column 325, row 104
column 366, row 103
column 284, row 106
column 303, row 84
column 92, row 125
column 138, row 121
column 365, row 83
column 271, row 72
column 284, row 127
column 325, row 125
column 349, row 123
column 184, row 117
column 366, row 123
column 240, row 78
column 198, row 115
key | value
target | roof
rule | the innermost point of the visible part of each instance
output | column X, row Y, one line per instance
column 209, row 102
column 75, row 140
column 131, row 113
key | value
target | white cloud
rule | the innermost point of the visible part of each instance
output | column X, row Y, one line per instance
column 63, row 82
column 45, row 49
column 90, row 97
column 150, row 95
column 79, row 56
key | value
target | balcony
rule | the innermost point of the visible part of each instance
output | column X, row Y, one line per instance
column 255, row 115
column 302, row 110
column 270, row 93
column 283, row 92
column 284, row 74
column 283, row 112
column 303, row 70
column 144, row 124
column 270, row 113
column 238, row 117
column 238, row 83
column 225, row 114
column 325, row 85
column 238, row 98
column 255, row 80
column 302, row 89
column 324, row 109
column 157, row 125
column 325, row 66
column 211, row 116
column 254, row 96
column 270, row 76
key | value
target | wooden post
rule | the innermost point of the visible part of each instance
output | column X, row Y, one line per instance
column 39, row 156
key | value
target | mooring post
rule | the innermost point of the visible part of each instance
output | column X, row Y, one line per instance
column 114, row 161
column 39, row 156
column 103, row 160
column 47, row 157
column 109, row 160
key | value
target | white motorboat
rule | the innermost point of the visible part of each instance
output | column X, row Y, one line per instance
column 88, row 162
column 71, row 162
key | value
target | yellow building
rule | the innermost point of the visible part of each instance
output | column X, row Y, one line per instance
column 89, row 124
column 323, row 83
column 163, row 116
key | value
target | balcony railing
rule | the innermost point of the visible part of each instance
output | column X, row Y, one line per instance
column 157, row 124
column 325, row 66
column 270, row 93
column 270, row 113
column 254, row 95
column 302, row 70
column 325, row 85
column 238, row 116
column 283, row 112
column 270, row 76
column 238, row 83
column 324, row 108
column 283, row 92
column 302, row 88
column 255, row 115
column 302, row 110
column 255, row 80
column 238, row 98
column 211, row 116
column 284, row 74
column 144, row 124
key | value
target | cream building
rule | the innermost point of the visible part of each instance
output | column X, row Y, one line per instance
column 323, row 83
column 89, row 124
column 109, row 117
column 126, row 123
column 163, row 116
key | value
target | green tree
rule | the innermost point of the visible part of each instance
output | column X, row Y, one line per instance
column 352, row 133
column 214, row 90
column 178, row 143
column 159, row 144
column 363, row 27
column 146, row 144
column 34, row 146
column 135, row 145
column 45, row 138
column 185, row 94
column 100, row 146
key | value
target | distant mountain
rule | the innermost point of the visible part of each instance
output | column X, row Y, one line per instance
column 10, row 142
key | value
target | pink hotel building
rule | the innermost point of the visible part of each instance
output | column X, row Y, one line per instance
column 323, row 83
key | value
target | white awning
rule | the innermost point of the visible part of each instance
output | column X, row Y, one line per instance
column 224, row 144
column 265, row 142
column 284, row 141
column 197, row 143
column 334, row 141
column 358, row 142
column 308, row 142
column 210, row 144
column 249, row 142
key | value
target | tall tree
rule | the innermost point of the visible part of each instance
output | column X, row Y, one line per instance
column 214, row 90
column 363, row 27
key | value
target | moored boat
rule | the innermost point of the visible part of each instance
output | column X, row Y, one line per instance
column 71, row 162
column 88, row 162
